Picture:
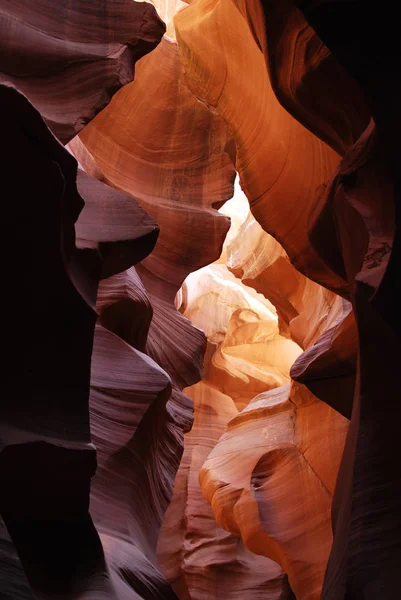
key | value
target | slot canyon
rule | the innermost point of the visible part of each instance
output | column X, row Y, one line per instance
column 202, row 303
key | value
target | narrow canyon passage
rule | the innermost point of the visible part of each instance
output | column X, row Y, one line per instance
column 202, row 337
column 255, row 483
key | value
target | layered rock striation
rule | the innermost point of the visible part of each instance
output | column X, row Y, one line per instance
column 70, row 58
column 133, row 313
column 257, row 450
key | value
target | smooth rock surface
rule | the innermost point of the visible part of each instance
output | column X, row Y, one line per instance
column 74, row 55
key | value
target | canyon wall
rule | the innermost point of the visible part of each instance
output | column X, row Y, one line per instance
column 201, row 393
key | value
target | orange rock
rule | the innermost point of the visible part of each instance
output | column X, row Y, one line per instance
column 280, row 163
column 200, row 559
column 271, row 477
column 265, row 465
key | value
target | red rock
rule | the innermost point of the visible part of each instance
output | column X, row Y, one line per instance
column 302, row 98
column 47, row 458
column 270, row 479
column 178, row 179
column 74, row 56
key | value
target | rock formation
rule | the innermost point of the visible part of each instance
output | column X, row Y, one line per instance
column 279, row 162
column 177, row 178
column 351, row 224
column 199, row 558
column 265, row 443
column 45, row 508
column 317, row 319
column 271, row 479
column 70, row 58
column 47, row 458
column 135, row 312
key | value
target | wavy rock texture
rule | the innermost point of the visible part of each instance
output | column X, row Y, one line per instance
column 362, row 209
column 283, row 199
column 264, row 450
column 167, row 9
column 113, row 233
column 114, row 224
column 131, row 426
column 139, row 457
column 352, row 223
column 47, row 458
column 177, row 178
column 307, row 79
column 280, row 163
column 328, row 368
column 303, row 98
column 199, row 558
column 305, row 309
column 74, row 55
column 129, row 392
column 317, row 319
column 364, row 200
column 271, row 477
